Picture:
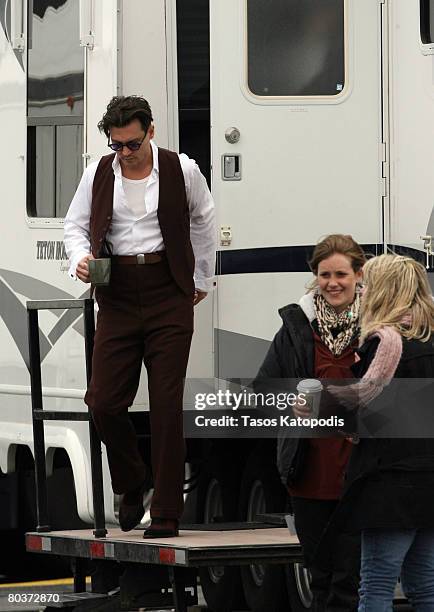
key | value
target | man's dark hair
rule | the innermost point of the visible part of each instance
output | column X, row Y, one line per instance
column 121, row 110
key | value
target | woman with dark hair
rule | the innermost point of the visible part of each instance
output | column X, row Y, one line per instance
column 318, row 339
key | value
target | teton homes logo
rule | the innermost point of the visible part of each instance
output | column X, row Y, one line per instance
column 51, row 250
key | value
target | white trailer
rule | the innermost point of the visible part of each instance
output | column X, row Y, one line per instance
column 307, row 116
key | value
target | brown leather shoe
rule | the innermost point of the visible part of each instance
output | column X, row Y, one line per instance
column 162, row 528
column 131, row 509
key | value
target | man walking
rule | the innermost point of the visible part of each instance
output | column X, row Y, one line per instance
column 150, row 210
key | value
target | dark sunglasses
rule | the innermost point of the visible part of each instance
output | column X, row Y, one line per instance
column 132, row 145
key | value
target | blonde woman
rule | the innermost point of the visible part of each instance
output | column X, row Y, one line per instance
column 390, row 492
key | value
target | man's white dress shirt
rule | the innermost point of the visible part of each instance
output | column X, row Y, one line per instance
column 135, row 229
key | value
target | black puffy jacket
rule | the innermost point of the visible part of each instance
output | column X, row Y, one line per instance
column 290, row 356
column 389, row 481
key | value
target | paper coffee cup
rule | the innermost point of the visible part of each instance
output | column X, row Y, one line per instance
column 311, row 389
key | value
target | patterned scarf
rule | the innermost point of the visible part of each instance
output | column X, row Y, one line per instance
column 337, row 330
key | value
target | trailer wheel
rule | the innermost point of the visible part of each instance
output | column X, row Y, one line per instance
column 261, row 491
column 218, row 502
column 298, row 586
column 62, row 514
column 298, row 582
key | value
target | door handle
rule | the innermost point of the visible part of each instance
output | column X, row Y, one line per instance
column 428, row 248
column 231, row 167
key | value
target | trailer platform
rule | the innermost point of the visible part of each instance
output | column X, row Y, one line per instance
column 181, row 556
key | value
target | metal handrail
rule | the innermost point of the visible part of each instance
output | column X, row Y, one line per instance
column 39, row 414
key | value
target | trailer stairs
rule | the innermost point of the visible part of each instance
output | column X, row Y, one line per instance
column 161, row 572
column 127, row 571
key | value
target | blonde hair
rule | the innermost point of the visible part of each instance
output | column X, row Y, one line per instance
column 398, row 295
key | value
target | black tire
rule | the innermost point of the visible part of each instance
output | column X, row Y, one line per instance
column 298, row 582
column 15, row 562
column 218, row 502
column 261, row 491
column 298, row 587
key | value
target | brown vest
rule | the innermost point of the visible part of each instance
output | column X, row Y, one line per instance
column 173, row 215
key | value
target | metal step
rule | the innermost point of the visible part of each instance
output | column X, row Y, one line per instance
column 69, row 600
column 273, row 518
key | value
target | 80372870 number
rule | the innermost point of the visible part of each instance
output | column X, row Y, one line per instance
column 36, row 598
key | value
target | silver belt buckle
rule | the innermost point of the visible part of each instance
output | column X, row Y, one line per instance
column 141, row 258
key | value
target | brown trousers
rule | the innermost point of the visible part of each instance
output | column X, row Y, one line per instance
column 143, row 315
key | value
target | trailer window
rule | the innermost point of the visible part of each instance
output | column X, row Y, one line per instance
column 427, row 21
column 55, row 88
column 296, row 47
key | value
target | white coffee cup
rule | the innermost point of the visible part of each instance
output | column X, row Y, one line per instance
column 311, row 389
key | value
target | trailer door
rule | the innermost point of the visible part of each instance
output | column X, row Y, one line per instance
column 100, row 29
column 411, row 126
column 296, row 115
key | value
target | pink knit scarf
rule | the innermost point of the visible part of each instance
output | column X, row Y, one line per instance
column 379, row 374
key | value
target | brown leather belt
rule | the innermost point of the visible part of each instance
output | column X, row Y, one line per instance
column 140, row 259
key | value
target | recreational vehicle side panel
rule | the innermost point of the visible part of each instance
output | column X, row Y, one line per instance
column 411, row 128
